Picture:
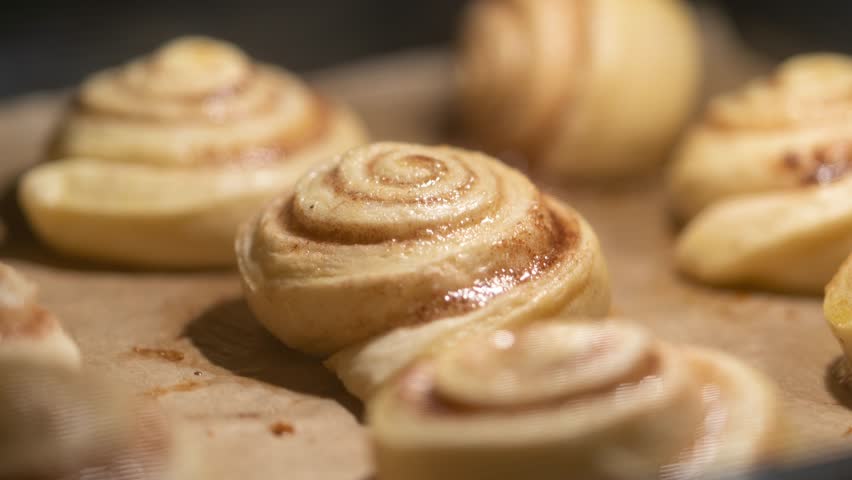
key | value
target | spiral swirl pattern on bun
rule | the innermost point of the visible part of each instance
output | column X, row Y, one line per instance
column 765, row 178
column 162, row 158
column 398, row 240
column 555, row 399
column 28, row 332
column 581, row 88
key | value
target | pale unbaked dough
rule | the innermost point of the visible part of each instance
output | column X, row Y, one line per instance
column 383, row 251
column 838, row 307
column 765, row 179
column 159, row 160
column 28, row 332
column 580, row 88
column 565, row 399
column 54, row 424
column 57, row 421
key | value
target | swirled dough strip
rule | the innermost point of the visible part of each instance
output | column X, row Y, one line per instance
column 765, row 174
column 582, row 88
column 390, row 246
column 160, row 160
column 28, row 332
column 557, row 399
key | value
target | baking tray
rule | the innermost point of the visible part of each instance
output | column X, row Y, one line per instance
column 260, row 411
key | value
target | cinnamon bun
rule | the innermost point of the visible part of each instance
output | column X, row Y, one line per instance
column 765, row 179
column 838, row 308
column 559, row 399
column 581, row 88
column 388, row 246
column 28, row 332
column 159, row 160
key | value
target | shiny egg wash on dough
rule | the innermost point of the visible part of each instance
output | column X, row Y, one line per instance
column 547, row 398
column 400, row 239
column 159, row 160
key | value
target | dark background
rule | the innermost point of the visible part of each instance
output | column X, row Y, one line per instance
column 53, row 44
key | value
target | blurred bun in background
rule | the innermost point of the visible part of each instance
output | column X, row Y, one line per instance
column 160, row 159
column 27, row 330
column 578, row 88
column 766, row 180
